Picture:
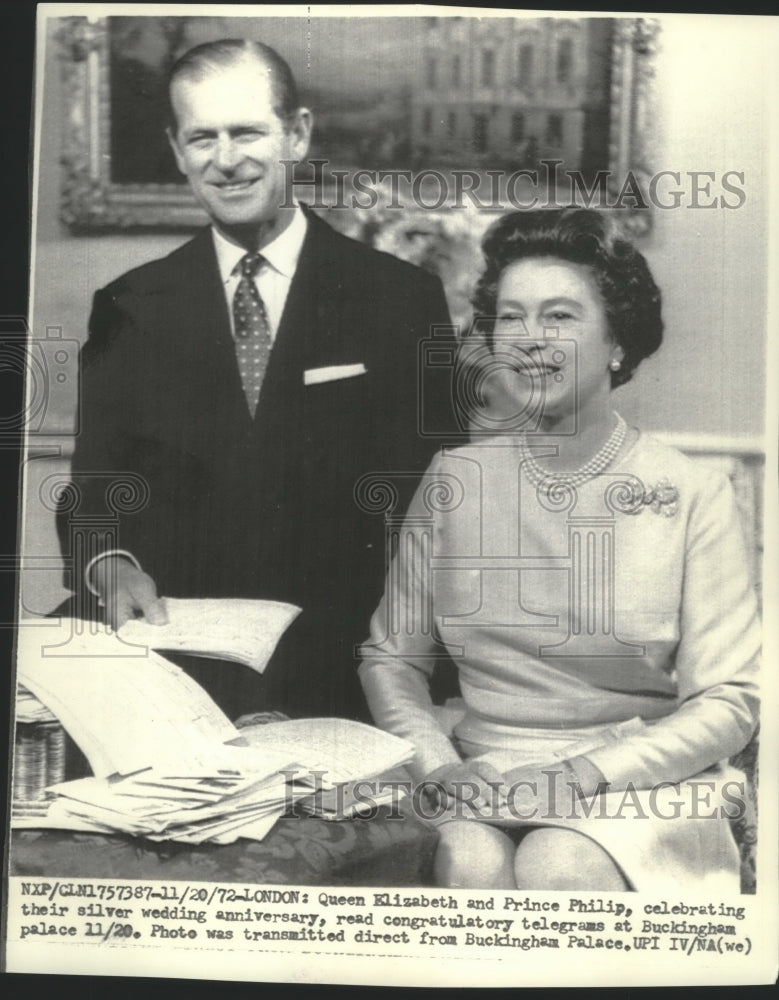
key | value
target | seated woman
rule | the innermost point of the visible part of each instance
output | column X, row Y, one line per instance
column 589, row 582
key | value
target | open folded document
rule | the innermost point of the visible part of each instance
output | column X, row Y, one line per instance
column 222, row 628
column 167, row 763
column 125, row 706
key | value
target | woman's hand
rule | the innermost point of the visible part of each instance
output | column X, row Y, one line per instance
column 467, row 787
column 551, row 791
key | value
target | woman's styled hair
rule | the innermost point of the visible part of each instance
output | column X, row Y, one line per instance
column 580, row 236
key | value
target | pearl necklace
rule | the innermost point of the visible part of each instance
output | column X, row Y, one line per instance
column 546, row 481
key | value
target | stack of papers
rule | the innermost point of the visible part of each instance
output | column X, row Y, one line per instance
column 167, row 763
column 241, row 795
column 39, row 756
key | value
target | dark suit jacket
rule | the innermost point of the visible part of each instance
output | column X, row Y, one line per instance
column 261, row 508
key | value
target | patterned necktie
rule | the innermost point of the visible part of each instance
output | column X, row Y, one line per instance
column 252, row 331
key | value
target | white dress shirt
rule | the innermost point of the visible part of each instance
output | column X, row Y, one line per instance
column 274, row 278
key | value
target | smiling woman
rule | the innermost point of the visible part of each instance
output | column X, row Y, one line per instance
column 542, row 305
column 568, row 311
column 591, row 585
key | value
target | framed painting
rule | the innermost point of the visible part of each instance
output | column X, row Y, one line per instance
column 445, row 104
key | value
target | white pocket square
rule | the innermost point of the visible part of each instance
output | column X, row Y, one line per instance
column 313, row 376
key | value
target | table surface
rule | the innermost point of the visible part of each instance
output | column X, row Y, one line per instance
column 391, row 849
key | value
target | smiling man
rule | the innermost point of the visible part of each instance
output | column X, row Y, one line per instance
column 236, row 120
column 251, row 378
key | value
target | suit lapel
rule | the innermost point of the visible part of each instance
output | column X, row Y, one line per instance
column 310, row 325
column 206, row 325
column 317, row 289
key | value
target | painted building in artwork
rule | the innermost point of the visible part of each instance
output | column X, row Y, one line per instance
column 510, row 92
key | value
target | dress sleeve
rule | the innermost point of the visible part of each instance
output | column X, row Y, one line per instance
column 399, row 657
column 717, row 660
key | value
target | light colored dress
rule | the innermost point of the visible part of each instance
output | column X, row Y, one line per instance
column 615, row 621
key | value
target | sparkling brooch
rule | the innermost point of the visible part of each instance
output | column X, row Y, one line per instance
column 663, row 499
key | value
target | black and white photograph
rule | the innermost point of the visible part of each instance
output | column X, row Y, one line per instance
column 396, row 499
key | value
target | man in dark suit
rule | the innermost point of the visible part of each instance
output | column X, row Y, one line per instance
column 251, row 378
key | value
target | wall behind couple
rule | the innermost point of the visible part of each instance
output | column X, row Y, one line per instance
column 711, row 264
